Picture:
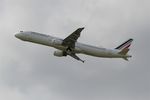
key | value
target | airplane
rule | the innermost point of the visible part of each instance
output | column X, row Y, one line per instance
column 70, row 46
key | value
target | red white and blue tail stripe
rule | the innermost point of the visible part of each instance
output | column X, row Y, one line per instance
column 126, row 45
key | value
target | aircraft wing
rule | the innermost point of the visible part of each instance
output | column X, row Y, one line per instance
column 71, row 39
column 75, row 57
column 70, row 43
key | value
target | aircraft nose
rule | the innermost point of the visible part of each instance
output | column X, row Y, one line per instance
column 18, row 35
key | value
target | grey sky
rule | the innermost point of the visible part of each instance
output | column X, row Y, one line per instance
column 31, row 72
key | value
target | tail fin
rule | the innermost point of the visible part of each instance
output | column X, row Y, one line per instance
column 125, row 47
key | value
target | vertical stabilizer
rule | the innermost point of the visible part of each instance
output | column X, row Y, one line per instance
column 125, row 47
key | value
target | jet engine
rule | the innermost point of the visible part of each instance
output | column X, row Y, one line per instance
column 59, row 53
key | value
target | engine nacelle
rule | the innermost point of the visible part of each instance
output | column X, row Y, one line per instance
column 57, row 42
column 59, row 53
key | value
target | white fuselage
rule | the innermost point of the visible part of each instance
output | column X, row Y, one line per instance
column 79, row 47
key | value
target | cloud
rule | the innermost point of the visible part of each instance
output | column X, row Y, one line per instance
column 31, row 72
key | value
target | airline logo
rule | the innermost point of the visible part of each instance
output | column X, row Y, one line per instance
column 125, row 45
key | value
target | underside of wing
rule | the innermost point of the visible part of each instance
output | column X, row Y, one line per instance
column 76, row 57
